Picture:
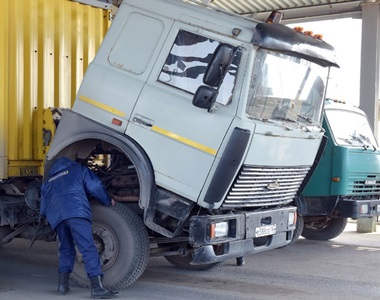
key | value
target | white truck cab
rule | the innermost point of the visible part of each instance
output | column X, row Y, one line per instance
column 202, row 123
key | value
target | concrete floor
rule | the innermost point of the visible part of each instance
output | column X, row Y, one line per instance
column 347, row 267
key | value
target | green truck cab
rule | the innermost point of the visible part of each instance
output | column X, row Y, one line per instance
column 345, row 182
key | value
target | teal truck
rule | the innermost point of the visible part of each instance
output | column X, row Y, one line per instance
column 345, row 182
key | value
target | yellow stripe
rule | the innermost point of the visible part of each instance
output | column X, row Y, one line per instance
column 184, row 140
column 102, row 106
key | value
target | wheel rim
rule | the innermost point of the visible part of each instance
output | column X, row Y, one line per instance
column 107, row 244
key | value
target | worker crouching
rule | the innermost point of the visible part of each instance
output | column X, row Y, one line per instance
column 65, row 205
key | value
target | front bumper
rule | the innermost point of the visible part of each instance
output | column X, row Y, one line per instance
column 248, row 232
column 358, row 208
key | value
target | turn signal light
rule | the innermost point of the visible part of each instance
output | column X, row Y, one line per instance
column 117, row 122
column 218, row 230
column 308, row 32
column 317, row 36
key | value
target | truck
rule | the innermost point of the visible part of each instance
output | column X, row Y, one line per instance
column 346, row 180
column 194, row 119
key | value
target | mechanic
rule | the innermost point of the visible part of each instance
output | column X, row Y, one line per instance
column 65, row 205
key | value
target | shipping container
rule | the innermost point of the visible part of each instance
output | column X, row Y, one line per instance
column 46, row 46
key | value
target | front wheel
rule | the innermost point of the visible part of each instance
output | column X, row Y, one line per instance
column 123, row 246
column 324, row 229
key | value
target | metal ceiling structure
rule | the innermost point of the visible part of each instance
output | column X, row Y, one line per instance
column 294, row 10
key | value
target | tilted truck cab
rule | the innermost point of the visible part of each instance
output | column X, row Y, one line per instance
column 346, row 180
column 194, row 119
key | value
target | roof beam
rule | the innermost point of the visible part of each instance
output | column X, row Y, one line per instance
column 316, row 13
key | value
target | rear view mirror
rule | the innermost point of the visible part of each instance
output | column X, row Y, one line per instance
column 205, row 97
column 217, row 68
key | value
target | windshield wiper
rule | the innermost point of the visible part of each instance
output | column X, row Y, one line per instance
column 277, row 122
column 305, row 118
column 295, row 121
column 368, row 140
column 345, row 140
column 363, row 140
column 309, row 120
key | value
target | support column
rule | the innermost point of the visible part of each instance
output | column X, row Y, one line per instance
column 369, row 79
column 369, row 72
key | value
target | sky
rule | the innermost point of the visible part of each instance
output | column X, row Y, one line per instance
column 345, row 36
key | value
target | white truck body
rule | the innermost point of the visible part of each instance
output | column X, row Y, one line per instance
column 202, row 124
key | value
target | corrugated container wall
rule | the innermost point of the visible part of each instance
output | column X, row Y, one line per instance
column 45, row 48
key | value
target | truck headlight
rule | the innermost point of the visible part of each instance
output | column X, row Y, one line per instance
column 292, row 218
column 218, row 230
column 364, row 209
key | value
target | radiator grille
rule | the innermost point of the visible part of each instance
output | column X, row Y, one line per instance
column 264, row 186
column 362, row 184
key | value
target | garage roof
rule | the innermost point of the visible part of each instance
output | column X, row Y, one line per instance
column 294, row 10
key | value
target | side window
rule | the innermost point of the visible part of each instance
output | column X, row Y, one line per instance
column 187, row 63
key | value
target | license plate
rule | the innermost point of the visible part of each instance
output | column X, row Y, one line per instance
column 265, row 230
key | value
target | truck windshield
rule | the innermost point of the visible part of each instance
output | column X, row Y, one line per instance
column 286, row 88
column 350, row 128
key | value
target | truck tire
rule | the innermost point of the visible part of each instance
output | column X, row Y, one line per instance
column 123, row 243
column 324, row 230
column 183, row 261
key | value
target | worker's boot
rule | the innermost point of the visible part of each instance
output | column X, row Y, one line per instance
column 98, row 291
column 63, row 283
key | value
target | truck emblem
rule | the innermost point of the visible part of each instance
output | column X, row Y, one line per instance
column 372, row 182
column 273, row 185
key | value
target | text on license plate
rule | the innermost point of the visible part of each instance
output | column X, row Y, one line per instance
column 265, row 230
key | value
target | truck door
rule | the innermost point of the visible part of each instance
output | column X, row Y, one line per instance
column 182, row 140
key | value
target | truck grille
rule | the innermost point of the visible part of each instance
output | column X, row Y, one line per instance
column 364, row 184
column 264, row 186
